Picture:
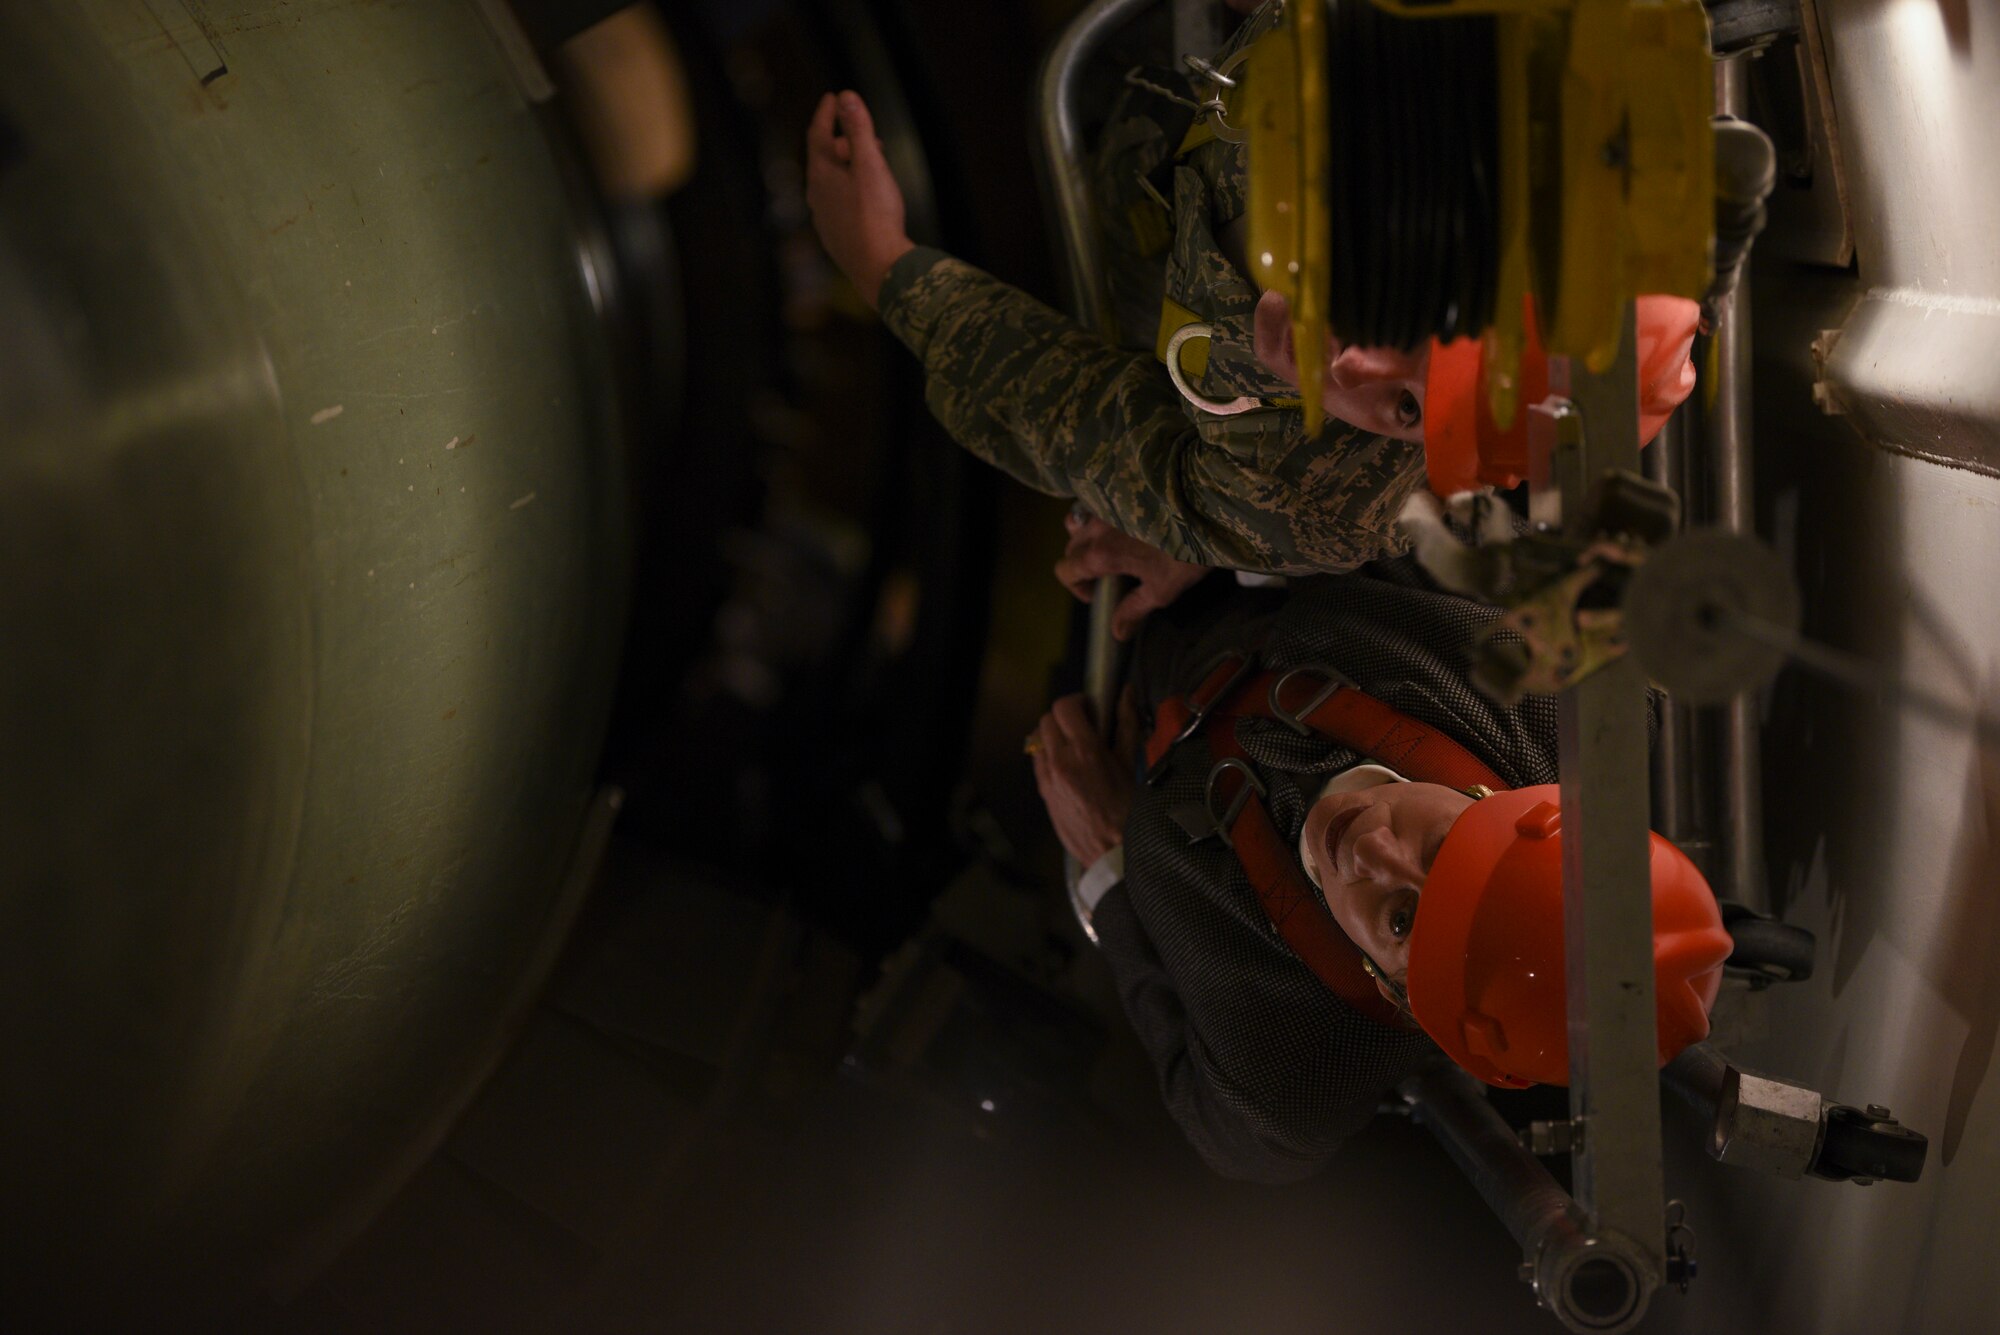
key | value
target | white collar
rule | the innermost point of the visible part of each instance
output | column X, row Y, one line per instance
column 1350, row 780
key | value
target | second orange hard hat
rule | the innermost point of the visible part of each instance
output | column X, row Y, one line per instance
column 1465, row 449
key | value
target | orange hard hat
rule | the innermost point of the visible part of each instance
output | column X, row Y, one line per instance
column 1486, row 950
column 1464, row 449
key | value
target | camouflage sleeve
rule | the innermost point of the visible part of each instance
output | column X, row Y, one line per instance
column 1033, row 393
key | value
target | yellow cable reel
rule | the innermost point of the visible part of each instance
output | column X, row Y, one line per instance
column 1606, row 163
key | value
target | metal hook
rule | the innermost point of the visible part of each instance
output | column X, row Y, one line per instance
column 1212, row 107
column 1197, row 65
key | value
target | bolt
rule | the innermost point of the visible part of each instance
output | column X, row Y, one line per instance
column 1525, row 1272
column 1877, row 1112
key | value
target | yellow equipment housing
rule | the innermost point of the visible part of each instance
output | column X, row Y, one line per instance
column 1607, row 175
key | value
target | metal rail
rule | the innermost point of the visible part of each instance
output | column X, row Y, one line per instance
column 1062, row 156
column 1728, row 430
column 1673, row 761
column 1068, row 190
column 1607, row 890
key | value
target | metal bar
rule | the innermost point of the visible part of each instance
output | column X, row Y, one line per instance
column 1729, row 445
column 1607, row 899
column 1062, row 161
column 1684, row 754
column 1067, row 189
column 1101, row 664
column 1671, row 758
column 1062, row 156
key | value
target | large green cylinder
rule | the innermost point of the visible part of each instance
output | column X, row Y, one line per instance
column 311, row 564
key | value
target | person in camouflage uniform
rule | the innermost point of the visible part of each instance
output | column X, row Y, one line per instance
column 1066, row 412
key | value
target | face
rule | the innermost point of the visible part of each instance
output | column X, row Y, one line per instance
column 1376, row 389
column 1371, row 851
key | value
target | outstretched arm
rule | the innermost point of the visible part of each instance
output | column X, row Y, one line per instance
column 1033, row 393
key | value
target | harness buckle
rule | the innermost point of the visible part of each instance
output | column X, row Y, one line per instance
column 1335, row 679
column 1236, row 803
column 1201, row 709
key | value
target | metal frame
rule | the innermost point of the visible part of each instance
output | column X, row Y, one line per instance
column 1062, row 157
column 1607, row 887
column 1678, row 756
column 1727, row 431
column 1068, row 190
column 1708, row 769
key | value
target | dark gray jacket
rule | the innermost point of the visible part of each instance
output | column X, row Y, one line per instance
column 1266, row 1071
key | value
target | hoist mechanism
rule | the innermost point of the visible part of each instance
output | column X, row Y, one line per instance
column 1511, row 182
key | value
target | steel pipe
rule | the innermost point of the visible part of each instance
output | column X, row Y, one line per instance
column 1515, row 1185
column 1591, row 1282
column 1728, row 430
column 1664, row 464
column 1068, row 191
column 1607, row 912
column 1062, row 157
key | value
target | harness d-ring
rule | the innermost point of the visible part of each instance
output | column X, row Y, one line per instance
column 1219, row 407
column 1236, row 803
column 1201, row 705
column 1296, row 719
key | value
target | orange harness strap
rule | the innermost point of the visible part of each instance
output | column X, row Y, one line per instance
column 1338, row 711
column 1342, row 713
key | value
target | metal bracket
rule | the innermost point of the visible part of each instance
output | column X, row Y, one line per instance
column 1557, row 1137
column 1203, row 708
column 1769, row 1125
column 1788, row 1130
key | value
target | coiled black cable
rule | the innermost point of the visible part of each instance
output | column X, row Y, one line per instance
column 1414, row 167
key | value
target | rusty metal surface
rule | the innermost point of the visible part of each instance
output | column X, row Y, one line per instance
column 309, row 512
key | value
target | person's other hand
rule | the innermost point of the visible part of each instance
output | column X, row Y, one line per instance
column 857, row 207
column 1085, row 783
column 1096, row 549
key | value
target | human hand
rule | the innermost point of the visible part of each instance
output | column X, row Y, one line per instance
column 857, row 207
column 1085, row 783
column 1096, row 549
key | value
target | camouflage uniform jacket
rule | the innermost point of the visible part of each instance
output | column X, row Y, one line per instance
column 1057, row 407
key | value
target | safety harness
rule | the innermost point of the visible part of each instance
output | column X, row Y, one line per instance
column 1231, row 690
